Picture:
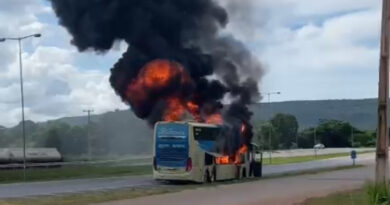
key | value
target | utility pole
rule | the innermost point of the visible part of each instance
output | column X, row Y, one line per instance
column 352, row 138
column 315, row 142
column 270, row 131
column 269, row 143
column 88, row 133
column 382, row 143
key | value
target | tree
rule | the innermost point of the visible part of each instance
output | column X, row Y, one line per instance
column 263, row 132
column 286, row 129
column 334, row 133
column 365, row 139
column 306, row 138
column 53, row 139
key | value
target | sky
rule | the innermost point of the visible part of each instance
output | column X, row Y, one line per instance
column 310, row 50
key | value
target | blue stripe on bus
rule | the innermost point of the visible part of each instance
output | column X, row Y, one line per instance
column 207, row 145
column 172, row 145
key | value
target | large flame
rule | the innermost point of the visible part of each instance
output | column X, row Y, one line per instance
column 175, row 110
column 160, row 75
column 237, row 157
column 154, row 77
column 214, row 119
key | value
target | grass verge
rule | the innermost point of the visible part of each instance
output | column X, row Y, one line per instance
column 89, row 198
column 112, row 195
column 371, row 194
column 308, row 158
column 71, row 172
column 356, row 197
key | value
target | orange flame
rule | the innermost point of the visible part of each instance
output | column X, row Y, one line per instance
column 239, row 153
column 158, row 75
column 237, row 159
column 214, row 119
column 222, row 160
column 155, row 76
column 175, row 110
column 194, row 110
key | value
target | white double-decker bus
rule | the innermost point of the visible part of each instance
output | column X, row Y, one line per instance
column 181, row 152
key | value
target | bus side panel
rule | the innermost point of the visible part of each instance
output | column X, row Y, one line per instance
column 226, row 171
column 197, row 156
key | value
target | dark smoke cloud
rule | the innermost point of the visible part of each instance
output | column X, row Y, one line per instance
column 185, row 31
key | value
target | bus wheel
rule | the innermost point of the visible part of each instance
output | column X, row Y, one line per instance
column 244, row 173
column 207, row 178
column 214, row 177
column 238, row 173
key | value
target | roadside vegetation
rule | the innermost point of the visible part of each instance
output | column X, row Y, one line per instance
column 356, row 197
column 282, row 132
column 72, row 172
column 93, row 197
column 371, row 194
column 308, row 158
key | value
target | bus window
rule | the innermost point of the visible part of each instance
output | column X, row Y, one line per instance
column 208, row 159
column 206, row 133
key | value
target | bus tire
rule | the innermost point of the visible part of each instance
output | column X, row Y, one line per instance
column 206, row 177
column 214, row 176
column 244, row 173
column 238, row 172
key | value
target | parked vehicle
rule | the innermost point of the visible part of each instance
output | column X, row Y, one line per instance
column 319, row 146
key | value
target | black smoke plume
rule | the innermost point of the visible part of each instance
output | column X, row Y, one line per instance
column 189, row 32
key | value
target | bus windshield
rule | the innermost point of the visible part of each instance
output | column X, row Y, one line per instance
column 172, row 145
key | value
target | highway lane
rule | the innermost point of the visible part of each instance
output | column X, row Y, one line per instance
column 86, row 185
column 290, row 190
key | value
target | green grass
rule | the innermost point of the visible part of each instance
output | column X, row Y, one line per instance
column 90, row 198
column 299, row 159
column 371, row 194
column 72, row 172
column 378, row 194
column 356, row 197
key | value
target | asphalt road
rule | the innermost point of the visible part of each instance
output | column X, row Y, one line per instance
column 276, row 191
column 86, row 185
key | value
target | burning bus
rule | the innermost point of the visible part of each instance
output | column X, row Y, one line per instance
column 180, row 65
column 189, row 151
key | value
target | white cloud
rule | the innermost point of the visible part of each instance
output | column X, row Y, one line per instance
column 312, row 47
column 54, row 85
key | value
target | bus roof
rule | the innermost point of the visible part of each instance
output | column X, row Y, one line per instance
column 189, row 123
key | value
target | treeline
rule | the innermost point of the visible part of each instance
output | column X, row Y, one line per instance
column 69, row 140
column 282, row 132
column 110, row 135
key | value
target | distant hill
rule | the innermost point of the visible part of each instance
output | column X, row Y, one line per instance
column 360, row 113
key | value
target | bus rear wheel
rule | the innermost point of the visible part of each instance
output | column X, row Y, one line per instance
column 214, row 177
column 207, row 177
column 244, row 173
